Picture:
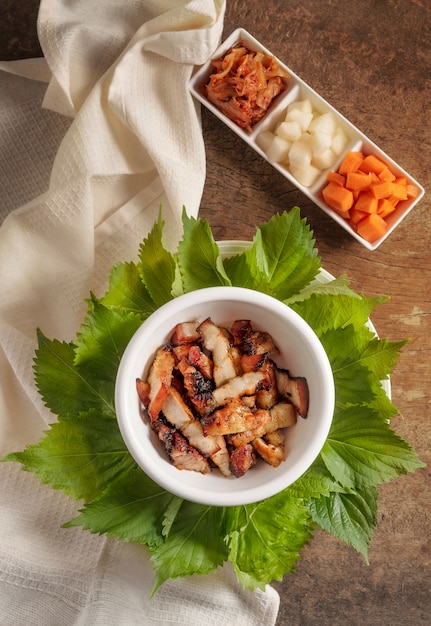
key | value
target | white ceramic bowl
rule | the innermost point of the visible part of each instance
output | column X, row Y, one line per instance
column 297, row 89
column 300, row 351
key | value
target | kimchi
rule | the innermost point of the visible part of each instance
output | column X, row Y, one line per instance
column 244, row 84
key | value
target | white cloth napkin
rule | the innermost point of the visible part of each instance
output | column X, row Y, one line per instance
column 93, row 138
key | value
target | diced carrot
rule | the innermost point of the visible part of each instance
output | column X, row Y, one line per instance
column 366, row 202
column 393, row 200
column 338, row 198
column 383, row 189
column 351, row 162
column 335, row 177
column 412, row 190
column 371, row 163
column 372, row 227
column 356, row 216
column 358, row 181
column 399, row 191
column 385, row 208
column 365, row 191
column 386, row 174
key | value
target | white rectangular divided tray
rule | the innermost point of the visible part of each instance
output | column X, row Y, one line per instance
column 298, row 90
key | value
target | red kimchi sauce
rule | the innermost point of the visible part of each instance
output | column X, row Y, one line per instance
column 244, row 84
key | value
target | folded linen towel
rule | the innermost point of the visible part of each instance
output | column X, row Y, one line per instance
column 85, row 164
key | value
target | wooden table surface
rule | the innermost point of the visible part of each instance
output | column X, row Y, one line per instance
column 372, row 61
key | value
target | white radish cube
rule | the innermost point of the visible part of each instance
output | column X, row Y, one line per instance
column 325, row 123
column 291, row 131
column 264, row 139
column 301, row 105
column 278, row 150
column 300, row 153
column 301, row 117
column 339, row 141
column 324, row 160
column 305, row 176
column 320, row 142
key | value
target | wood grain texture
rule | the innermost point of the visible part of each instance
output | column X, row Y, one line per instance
column 371, row 59
column 18, row 32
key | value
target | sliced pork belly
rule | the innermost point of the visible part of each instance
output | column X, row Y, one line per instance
column 199, row 388
column 159, row 379
column 201, row 361
column 252, row 342
column 267, row 395
column 281, row 415
column 247, row 436
column 234, row 417
column 245, row 385
column 273, row 454
column 242, row 459
column 294, row 389
column 276, row 437
column 215, row 341
column 185, row 333
column 260, row 342
column 252, row 362
column 143, row 389
column 240, row 330
column 179, row 415
column 221, row 458
column 182, row 351
column 181, row 454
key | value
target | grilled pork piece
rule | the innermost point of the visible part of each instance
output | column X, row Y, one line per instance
column 184, row 333
column 180, row 452
column 143, row 389
column 245, row 385
column 275, row 438
column 259, row 342
column 281, row 415
column 201, row 361
column 234, row 417
column 221, row 458
column 182, row 351
column 179, row 415
column 216, row 342
column 240, row 330
column 159, row 379
column 272, row 454
column 294, row 389
column 242, row 459
column 253, row 362
column 198, row 387
column 252, row 342
column 247, row 436
column 267, row 395
column 249, row 401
